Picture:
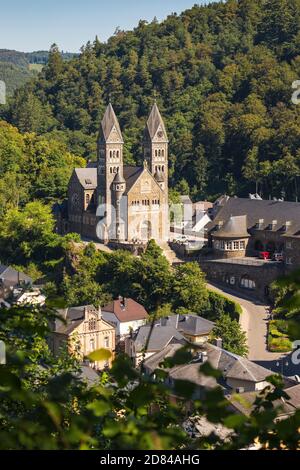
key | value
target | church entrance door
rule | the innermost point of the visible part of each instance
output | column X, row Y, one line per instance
column 146, row 230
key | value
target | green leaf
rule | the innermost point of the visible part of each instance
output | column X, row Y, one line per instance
column 99, row 355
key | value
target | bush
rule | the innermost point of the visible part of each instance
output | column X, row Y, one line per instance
column 278, row 340
column 219, row 304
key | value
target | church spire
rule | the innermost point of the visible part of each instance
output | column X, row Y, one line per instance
column 110, row 123
column 155, row 124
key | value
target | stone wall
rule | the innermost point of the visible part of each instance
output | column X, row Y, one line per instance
column 224, row 273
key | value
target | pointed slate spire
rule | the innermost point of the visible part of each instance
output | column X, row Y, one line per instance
column 155, row 122
column 108, row 123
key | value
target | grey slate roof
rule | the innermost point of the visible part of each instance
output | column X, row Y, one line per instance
column 131, row 174
column 87, row 177
column 235, row 227
column 154, row 121
column 11, row 276
column 73, row 316
column 230, row 365
column 108, row 122
column 268, row 210
column 160, row 336
column 190, row 324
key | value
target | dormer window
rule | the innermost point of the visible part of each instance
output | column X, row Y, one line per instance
column 259, row 225
column 287, row 225
column 272, row 225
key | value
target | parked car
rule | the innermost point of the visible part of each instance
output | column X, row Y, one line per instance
column 264, row 255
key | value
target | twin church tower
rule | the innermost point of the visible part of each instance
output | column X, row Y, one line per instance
column 110, row 201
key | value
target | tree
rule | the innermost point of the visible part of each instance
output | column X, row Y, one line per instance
column 233, row 337
column 189, row 289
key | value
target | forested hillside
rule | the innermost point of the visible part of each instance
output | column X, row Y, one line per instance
column 223, row 77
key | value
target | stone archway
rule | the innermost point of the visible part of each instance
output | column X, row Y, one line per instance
column 146, row 230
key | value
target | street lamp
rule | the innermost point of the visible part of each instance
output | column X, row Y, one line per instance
column 280, row 363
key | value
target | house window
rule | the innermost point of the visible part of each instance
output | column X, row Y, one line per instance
column 92, row 324
column 92, row 344
column 242, row 245
column 106, row 342
column 222, row 245
column 235, row 245
column 289, row 245
column 289, row 260
column 228, row 246
column 247, row 283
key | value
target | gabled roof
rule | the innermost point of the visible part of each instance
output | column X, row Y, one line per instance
column 72, row 317
column 126, row 310
column 230, row 365
column 154, row 122
column 235, row 227
column 108, row 122
column 87, row 177
column 156, row 338
column 190, row 324
column 9, row 274
column 131, row 174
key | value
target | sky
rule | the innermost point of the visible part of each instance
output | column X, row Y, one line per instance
column 28, row 25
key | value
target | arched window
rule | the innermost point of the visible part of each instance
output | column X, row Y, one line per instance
column 106, row 342
column 159, row 152
column 92, row 324
column 92, row 344
column 110, row 170
column 87, row 199
column 247, row 282
column 110, row 154
column 117, row 153
column 114, row 154
column 163, row 168
column 156, row 153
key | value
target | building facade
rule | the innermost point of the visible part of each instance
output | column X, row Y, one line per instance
column 251, row 243
column 83, row 330
column 111, row 201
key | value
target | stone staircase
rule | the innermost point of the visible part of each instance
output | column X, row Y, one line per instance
column 169, row 253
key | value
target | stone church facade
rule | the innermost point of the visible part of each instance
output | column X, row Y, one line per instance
column 113, row 202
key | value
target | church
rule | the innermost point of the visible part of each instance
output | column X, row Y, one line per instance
column 112, row 202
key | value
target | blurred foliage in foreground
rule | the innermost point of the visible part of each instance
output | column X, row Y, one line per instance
column 45, row 405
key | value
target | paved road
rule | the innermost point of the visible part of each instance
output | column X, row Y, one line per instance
column 254, row 323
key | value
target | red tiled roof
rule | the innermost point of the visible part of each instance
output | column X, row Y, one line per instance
column 126, row 310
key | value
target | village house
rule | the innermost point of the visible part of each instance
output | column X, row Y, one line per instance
column 174, row 329
column 11, row 278
column 84, row 330
column 244, row 404
column 126, row 315
column 238, row 374
column 150, row 339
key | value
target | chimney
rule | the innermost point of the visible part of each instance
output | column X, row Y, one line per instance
column 218, row 342
column 204, row 357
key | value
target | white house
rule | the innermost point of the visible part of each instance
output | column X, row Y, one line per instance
column 126, row 315
column 32, row 297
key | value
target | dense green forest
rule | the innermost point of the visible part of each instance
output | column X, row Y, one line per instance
column 16, row 68
column 222, row 74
